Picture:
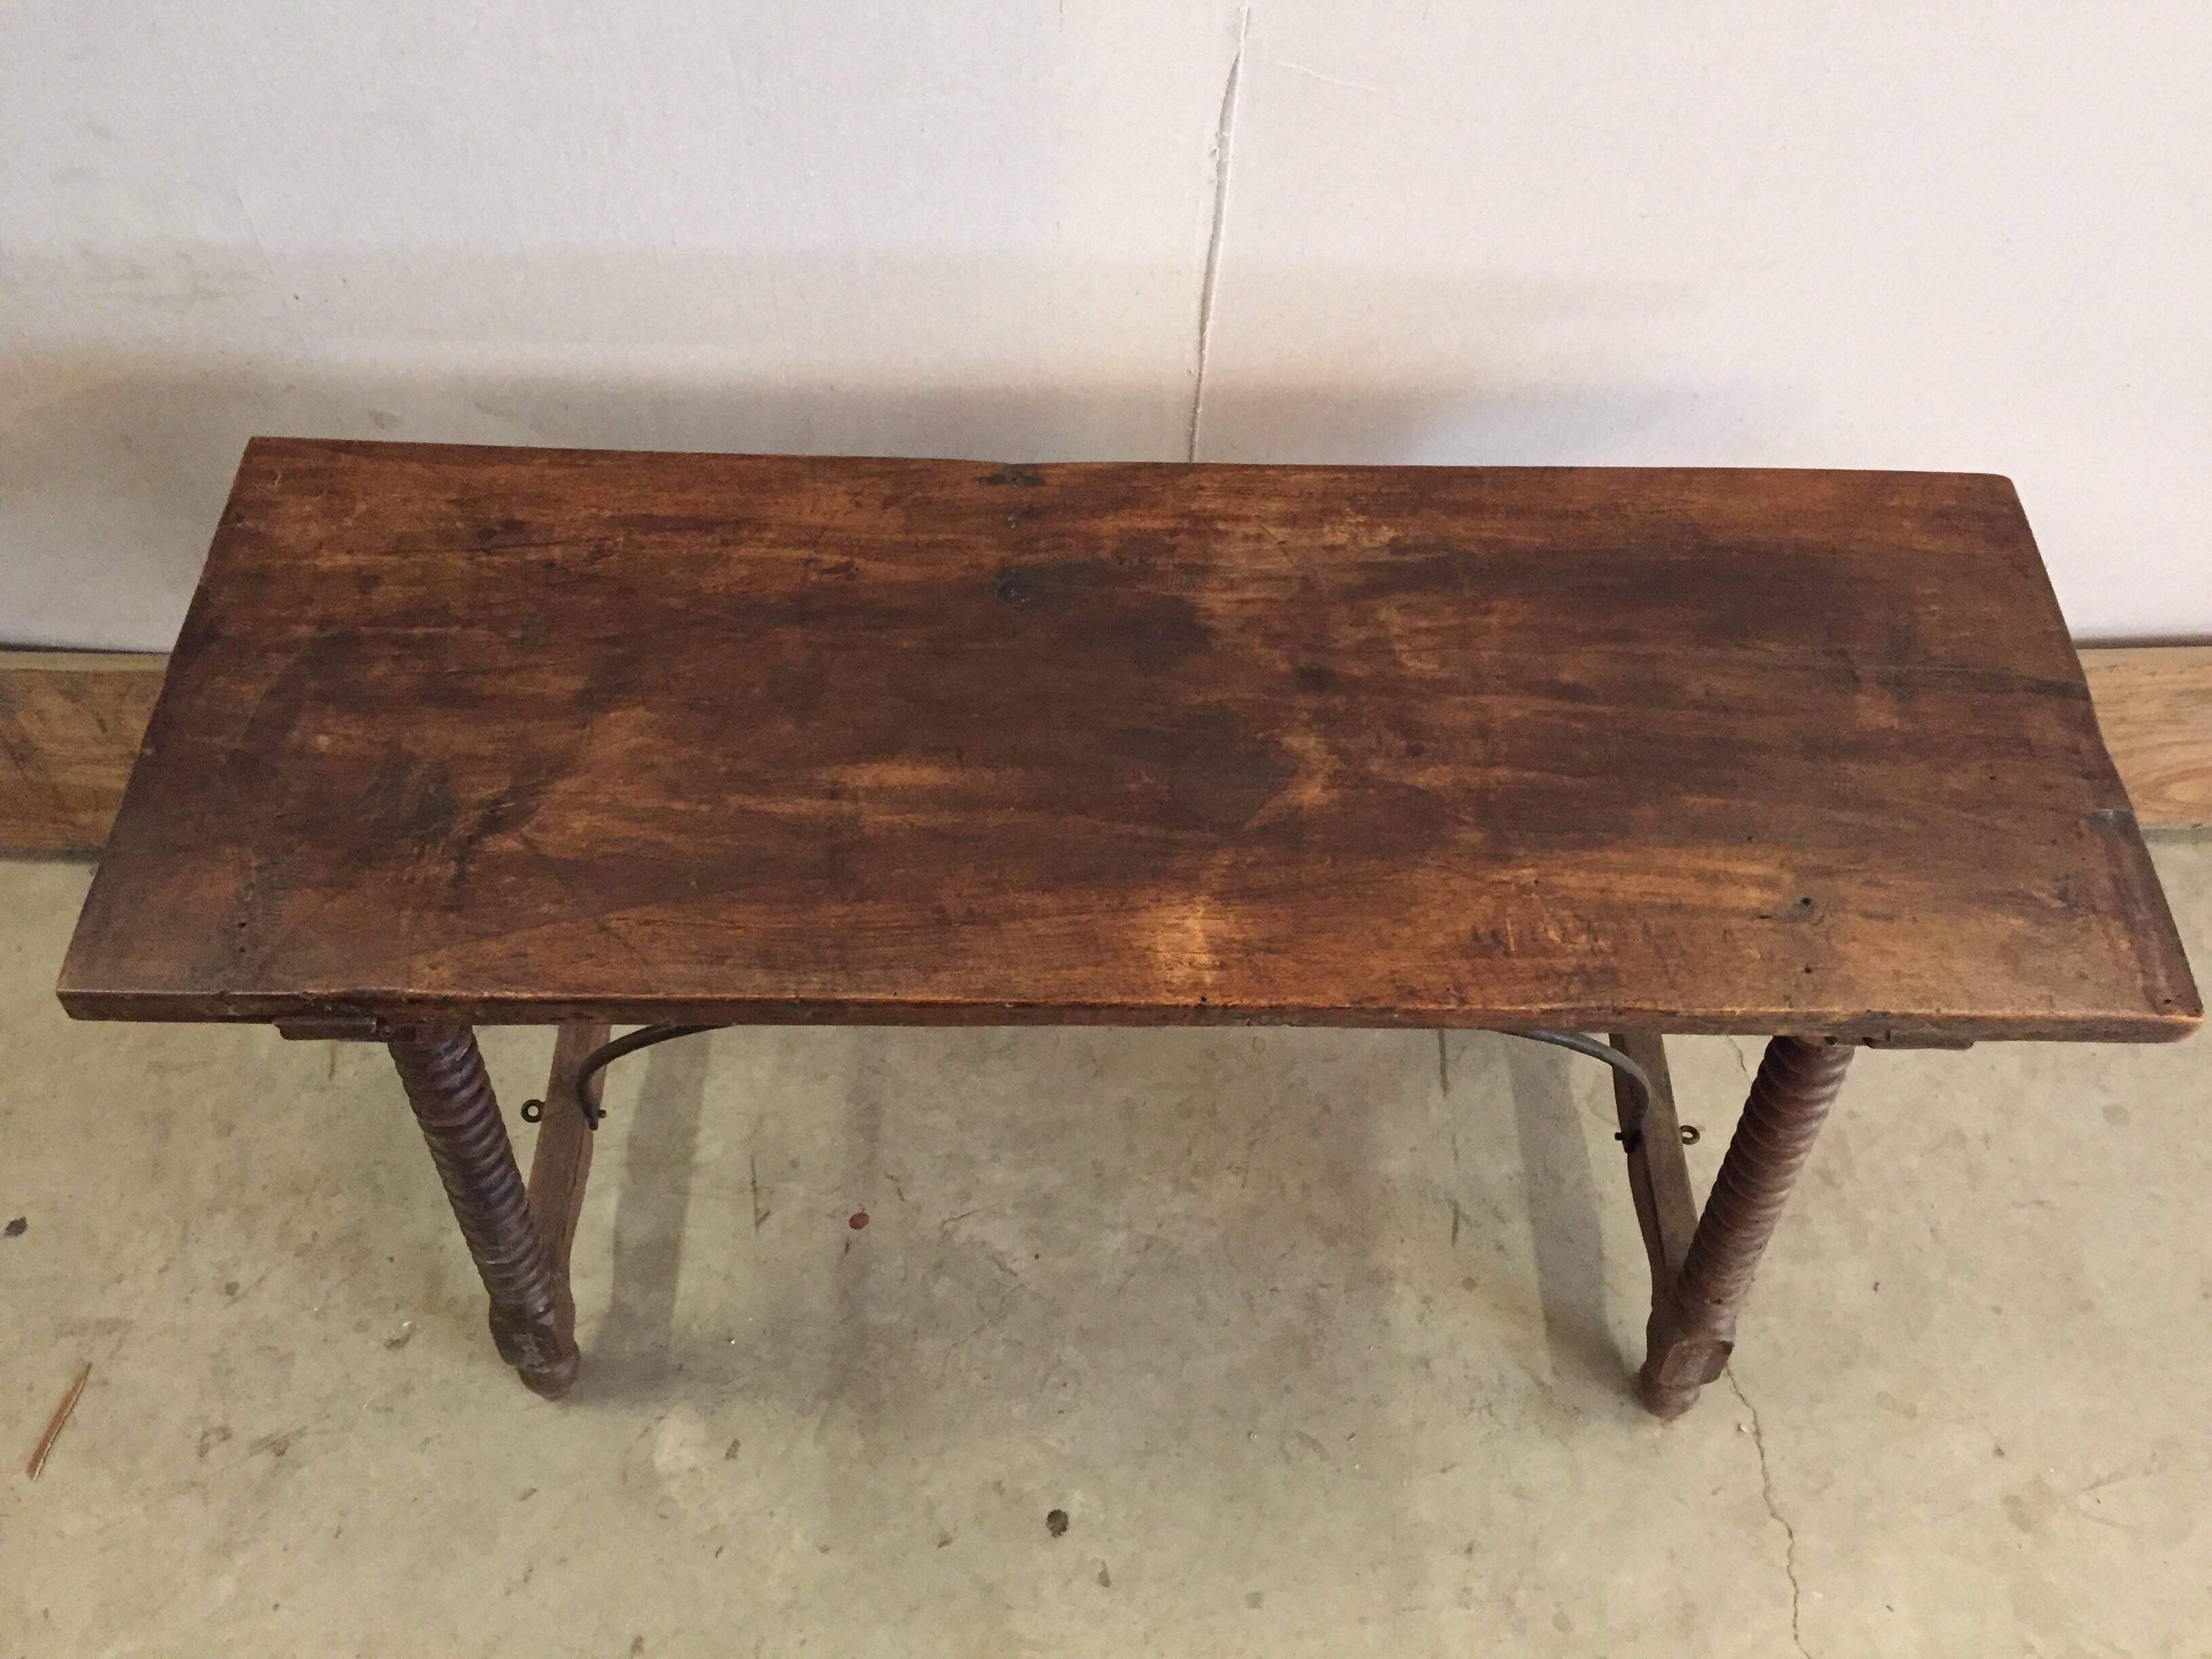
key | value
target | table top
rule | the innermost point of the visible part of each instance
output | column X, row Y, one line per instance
column 516, row 735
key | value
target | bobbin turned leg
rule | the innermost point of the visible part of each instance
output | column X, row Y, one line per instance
column 1692, row 1325
column 534, row 1317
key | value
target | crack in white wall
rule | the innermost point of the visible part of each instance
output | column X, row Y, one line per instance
column 1224, row 138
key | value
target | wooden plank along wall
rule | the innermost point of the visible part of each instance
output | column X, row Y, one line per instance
column 70, row 724
column 2155, row 705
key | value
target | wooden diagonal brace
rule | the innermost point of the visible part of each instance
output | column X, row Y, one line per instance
column 562, row 1161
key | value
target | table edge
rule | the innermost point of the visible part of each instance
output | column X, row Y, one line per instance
column 1879, row 1027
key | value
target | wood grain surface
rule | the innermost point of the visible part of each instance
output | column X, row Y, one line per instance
column 2153, row 704
column 528, row 735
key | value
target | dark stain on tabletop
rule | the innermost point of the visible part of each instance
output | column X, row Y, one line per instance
column 1093, row 609
column 1051, row 583
column 404, row 803
column 318, row 678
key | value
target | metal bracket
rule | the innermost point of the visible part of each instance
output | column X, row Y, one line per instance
column 1639, row 1080
column 336, row 1027
column 1909, row 1038
column 601, row 1057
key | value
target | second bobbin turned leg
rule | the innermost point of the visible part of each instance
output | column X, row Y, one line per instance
column 534, row 1317
column 1692, row 1325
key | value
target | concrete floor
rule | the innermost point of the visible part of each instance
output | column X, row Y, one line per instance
column 1320, row 1340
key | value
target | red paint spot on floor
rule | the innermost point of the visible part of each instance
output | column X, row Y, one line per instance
column 860, row 1220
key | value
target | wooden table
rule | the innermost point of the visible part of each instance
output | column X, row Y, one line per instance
column 457, row 736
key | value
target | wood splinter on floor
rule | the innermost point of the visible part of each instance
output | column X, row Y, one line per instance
column 53, row 1429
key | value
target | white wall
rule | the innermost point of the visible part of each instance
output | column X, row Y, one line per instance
column 1877, row 234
